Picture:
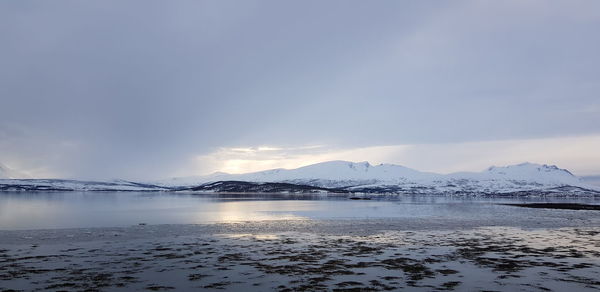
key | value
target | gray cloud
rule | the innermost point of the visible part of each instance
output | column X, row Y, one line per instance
column 136, row 88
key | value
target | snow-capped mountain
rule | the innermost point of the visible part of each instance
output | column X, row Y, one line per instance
column 75, row 185
column 390, row 178
column 339, row 172
column 330, row 174
column 349, row 177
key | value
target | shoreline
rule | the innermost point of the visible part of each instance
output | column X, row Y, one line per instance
column 352, row 255
column 347, row 226
column 560, row 206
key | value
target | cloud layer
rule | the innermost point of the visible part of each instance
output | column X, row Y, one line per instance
column 140, row 89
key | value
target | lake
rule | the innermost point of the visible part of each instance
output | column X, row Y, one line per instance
column 22, row 210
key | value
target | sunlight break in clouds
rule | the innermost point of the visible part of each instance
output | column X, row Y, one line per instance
column 578, row 154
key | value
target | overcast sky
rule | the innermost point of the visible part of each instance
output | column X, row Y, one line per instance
column 150, row 89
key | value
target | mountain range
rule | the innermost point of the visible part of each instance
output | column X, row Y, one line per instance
column 347, row 177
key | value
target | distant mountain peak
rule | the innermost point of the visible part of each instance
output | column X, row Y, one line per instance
column 345, row 176
column 340, row 173
column 528, row 168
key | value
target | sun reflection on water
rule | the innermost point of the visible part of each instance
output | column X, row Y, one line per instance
column 241, row 211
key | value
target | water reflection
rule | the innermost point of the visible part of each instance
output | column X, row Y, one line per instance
column 22, row 210
column 244, row 210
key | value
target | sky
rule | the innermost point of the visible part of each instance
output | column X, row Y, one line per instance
column 154, row 89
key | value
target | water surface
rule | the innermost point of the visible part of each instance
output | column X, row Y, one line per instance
column 37, row 210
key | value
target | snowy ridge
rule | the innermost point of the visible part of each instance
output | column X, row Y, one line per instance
column 344, row 177
column 390, row 178
column 342, row 171
column 74, row 185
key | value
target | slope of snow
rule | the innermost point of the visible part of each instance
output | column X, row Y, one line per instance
column 336, row 174
column 533, row 172
column 592, row 180
column 347, row 176
column 6, row 173
column 362, row 175
column 73, row 185
column 189, row 181
column 351, row 171
column 528, row 172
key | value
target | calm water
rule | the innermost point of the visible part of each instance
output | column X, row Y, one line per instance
column 105, row 209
